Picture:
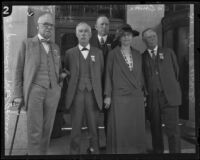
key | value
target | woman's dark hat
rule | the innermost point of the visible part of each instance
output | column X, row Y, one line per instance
column 125, row 28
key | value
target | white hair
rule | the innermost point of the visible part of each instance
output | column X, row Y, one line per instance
column 83, row 23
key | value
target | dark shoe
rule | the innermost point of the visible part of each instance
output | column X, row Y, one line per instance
column 150, row 151
column 90, row 150
column 103, row 148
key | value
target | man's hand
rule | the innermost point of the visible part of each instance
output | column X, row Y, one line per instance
column 17, row 102
column 145, row 101
column 63, row 75
column 107, row 102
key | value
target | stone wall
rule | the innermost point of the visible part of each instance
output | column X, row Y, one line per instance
column 15, row 30
column 141, row 17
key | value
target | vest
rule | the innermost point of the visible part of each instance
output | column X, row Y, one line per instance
column 46, row 76
column 155, row 83
column 84, row 73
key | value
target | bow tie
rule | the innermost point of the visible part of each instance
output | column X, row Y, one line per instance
column 45, row 40
column 84, row 49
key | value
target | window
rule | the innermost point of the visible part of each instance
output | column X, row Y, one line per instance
column 90, row 11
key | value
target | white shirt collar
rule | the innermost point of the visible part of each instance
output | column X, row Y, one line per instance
column 104, row 38
column 81, row 47
column 45, row 45
column 155, row 50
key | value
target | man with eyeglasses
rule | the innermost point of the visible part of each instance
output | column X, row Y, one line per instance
column 37, row 84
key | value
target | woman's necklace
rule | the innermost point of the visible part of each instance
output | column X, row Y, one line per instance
column 128, row 58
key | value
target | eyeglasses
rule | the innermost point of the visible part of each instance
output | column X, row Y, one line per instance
column 46, row 25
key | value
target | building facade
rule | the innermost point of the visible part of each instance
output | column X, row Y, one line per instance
column 174, row 24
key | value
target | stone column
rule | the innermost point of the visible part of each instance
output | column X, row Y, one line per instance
column 15, row 30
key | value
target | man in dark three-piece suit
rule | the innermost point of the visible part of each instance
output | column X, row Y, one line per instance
column 37, row 84
column 84, row 93
column 161, row 74
column 104, row 41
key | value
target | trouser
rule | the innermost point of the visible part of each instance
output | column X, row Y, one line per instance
column 162, row 112
column 42, row 105
column 84, row 103
column 105, row 120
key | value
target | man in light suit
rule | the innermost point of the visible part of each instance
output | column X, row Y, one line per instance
column 37, row 84
column 84, row 92
column 161, row 74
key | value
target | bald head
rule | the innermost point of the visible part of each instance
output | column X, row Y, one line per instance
column 46, row 17
column 102, row 25
column 45, row 25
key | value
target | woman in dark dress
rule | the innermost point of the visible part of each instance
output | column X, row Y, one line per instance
column 124, row 96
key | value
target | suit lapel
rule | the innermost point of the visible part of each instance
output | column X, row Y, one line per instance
column 76, row 58
column 125, row 68
column 56, row 58
column 91, row 54
column 147, row 58
column 109, row 40
column 35, row 54
column 135, row 63
column 96, row 41
column 160, row 50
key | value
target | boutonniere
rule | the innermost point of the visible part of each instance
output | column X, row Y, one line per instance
column 93, row 58
column 55, row 52
column 161, row 56
column 108, row 44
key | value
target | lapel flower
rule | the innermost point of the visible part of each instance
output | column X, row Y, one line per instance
column 55, row 51
column 161, row 56
column 93, row 58
column 108, row 44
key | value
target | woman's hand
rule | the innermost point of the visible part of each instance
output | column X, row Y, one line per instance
column 107, row 102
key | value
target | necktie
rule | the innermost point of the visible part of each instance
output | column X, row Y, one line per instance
column 153, row 54
column 102, row 41
column 84, row 49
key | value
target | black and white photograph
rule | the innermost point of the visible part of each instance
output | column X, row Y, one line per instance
column 100, row 79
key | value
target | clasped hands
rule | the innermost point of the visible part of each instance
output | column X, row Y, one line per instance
column 18, row 103
column 64, row 73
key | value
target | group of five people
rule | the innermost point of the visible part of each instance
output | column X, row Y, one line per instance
column 104, row 73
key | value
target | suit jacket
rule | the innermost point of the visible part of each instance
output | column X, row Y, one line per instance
column 96, row 68
column 107, row 47
column 169, row 73
column 26, row 66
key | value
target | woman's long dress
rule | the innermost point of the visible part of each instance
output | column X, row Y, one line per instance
column 126, row 116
